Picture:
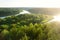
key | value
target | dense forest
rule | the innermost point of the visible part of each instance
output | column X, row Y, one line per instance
column 9, row 11
column 28, row 27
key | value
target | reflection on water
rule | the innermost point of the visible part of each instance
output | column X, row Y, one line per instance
column 23, row 12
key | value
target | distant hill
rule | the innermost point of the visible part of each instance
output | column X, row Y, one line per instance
column 13, row 11
column 50, row 11
column 9, row 11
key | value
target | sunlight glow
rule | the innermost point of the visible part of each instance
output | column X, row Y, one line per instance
column 57, row 18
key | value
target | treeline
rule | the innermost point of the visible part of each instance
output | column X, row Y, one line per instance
column 26, row 27
column 25, row 19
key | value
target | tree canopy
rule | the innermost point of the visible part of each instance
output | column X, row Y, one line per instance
column 9, row 11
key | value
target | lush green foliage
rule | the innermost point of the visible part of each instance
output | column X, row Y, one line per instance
column 26, row 27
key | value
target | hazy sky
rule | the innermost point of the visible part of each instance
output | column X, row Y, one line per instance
column 29, row 3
